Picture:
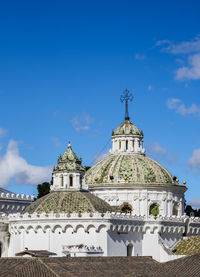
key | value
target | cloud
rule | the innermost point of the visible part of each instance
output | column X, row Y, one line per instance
column 159, row 152
column 192, row 71
column 185, row 47
column 12, row 165
column 140, row 57
column 82, row 123
column 194, row 161
column 195, row 203
column 180, row 108
column 100, row 156
column 2, row 132
column 149, row 88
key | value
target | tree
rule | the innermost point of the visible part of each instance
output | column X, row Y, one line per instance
column 43, row 189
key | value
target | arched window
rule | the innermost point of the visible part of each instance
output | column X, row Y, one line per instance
column 130, row 249
column 126, row 208
column 133, row 144
column 126, row 144
column 71, row 180
column 154, row 210
column 61, row 180
column 119, row 144
column 175, row 209
column 0, row 249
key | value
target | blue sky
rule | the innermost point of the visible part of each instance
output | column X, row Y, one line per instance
column 63, row 67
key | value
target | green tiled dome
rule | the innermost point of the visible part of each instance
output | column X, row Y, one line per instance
column 187, row 246
column 128, row 169
column 69, row 202
column 127, row 128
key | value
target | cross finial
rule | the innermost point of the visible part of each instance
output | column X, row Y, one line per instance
column 126, row 96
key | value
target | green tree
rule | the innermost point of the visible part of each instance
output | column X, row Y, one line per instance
column 43, row 189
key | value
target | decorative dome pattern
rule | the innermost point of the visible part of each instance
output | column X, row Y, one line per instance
column 128, row 169
column 127, row 128
column 69, row 161
column 69, row 202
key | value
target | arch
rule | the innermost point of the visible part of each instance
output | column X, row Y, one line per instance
column 90, row 227
column 102, row 226
column 55, row 227
column 1, row 249
column 175, row 209
column 29, row 228
column 68, row 226
column 37, row 228
column 46, row 227
column 126, row 208
column 79, row 226
column 126, row 144
column 71, row 180
column 130, row 249
column 154, row 210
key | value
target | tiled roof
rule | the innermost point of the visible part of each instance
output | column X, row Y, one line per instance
column 99, row 267
column 36, row 253
column 187, row 246
column 69, row 202
column 138, row 169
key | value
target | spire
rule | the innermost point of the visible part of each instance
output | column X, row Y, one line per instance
column 125, row 97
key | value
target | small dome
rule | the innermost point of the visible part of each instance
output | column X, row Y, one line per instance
column 127, row 128
column 128, row 169
column 69, row 202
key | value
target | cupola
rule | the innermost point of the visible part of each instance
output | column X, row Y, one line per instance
column 69, row 174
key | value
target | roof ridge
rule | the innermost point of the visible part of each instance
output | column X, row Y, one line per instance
column 50, row 269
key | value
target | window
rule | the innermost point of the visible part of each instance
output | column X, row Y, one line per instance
column 133, row 144
column 0, row 249
column 71, row 180
column 126, row 144
column 126, row 208
column 61, row 180
column 154, row 210
column 175, row 209
column 119, row 144
column 129, row 249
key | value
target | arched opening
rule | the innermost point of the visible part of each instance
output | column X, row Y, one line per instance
column 154, row 210
column 0, row 249
column 126, row 144
column 126, row 208
column 129, row 250
column 133, row 144
column 61, row 180
column 71, row 180
column 119, row 144
column 175, row 209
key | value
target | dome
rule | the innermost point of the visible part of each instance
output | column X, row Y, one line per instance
column 128, row 169
column 127, row 128
column 69, row 202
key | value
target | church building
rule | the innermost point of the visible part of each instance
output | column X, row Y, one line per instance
column 127, row 204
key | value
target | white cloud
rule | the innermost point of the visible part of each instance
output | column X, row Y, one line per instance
column 100, row 156
column 194, row 161
column 195, row 203
column 192, row 71
column 140, row 57
column 12, row 165
column 82, row 123
column 157, row 149
column 149, row 87
column 2, row 132
column 185, row 47
column 160, row 152
column 180, row 108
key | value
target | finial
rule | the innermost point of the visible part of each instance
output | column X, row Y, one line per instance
column 69, row 144
column 126, row 96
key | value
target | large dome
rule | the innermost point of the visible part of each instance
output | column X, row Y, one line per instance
column 69, row 202
column 128, row 169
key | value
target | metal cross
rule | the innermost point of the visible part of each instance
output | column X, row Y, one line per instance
column 126, row 96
